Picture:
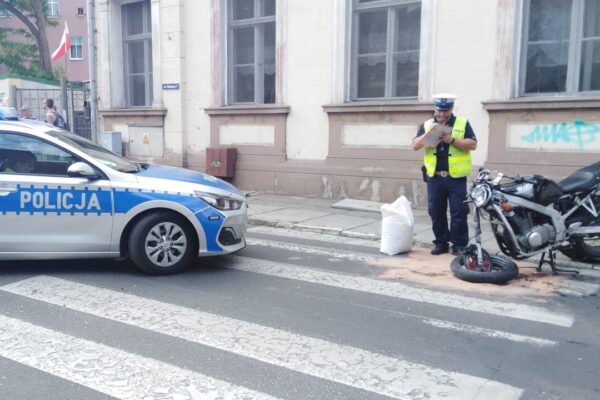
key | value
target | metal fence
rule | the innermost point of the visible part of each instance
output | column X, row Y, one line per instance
column 77, row 113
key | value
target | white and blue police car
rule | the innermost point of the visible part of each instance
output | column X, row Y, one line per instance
column 62, row 196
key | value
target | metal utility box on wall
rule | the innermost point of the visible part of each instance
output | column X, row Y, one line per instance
column 220, row 161
column 146, row 141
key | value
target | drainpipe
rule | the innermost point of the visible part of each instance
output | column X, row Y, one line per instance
column 91, row 28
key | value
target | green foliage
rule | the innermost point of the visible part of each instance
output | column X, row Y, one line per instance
column 19, row 52
column 22, row 58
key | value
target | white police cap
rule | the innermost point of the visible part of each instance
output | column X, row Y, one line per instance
column 444, row 101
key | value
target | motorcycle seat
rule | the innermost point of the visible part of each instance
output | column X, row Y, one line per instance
column 581, row 180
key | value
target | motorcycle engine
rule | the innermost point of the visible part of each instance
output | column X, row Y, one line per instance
column 537, row 237
column 532, row 230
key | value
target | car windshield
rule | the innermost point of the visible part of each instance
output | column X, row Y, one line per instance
column 99, row 153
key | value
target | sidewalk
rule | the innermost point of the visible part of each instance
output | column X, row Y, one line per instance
column 357, row 219
column 350, row 218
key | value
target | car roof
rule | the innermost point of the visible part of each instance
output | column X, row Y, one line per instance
column 34, row 127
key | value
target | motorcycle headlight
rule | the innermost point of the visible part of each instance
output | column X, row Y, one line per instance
column 481, row 195
column 222, row 203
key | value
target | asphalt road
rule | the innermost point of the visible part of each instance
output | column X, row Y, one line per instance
column 301, row 317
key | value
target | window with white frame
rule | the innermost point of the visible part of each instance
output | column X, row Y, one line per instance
column 137, row 48
column 561, row 47
column 251, row 51
column 386, row 41
column 53, row 10
column 76, row 48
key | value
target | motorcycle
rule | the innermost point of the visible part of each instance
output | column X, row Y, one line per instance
column 530, row 215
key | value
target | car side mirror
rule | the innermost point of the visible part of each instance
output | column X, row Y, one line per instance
column 82, row 170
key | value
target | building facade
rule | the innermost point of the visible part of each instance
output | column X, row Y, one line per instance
column 73, row 12
column 322, row 98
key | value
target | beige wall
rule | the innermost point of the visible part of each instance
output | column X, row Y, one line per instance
column 312, row 142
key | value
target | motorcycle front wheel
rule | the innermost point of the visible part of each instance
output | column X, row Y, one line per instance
column 493, row 269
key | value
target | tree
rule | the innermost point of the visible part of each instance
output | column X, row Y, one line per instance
column 31, row 54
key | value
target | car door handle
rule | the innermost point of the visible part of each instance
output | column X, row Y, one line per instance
column 5, row 191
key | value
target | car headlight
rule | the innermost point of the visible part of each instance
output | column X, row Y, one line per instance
column 222, row 203
column 481, row 195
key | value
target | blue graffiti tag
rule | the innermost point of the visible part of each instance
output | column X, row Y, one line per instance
column 578, row 132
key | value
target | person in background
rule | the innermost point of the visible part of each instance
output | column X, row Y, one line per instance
column 51, row 113
column 26, row 112
column 447, row 166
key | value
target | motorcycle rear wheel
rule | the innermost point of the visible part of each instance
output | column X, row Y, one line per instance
column 494, row 269
column 585, row 249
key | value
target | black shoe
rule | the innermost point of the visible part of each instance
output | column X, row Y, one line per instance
column 439, row 249
column 458, row 250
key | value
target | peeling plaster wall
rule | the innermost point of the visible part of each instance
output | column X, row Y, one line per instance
column 308, row 80
column 199, row 78
column 466, row 37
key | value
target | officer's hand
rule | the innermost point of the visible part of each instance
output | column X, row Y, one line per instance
column 446, row 138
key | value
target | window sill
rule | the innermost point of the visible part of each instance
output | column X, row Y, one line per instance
column 134, row 111
column 248, row 110
column 378, row 107
column 545, row 103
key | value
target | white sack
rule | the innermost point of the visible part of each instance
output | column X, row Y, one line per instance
column 396, row 227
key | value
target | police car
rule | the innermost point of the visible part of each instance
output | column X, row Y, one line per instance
column 62, row 196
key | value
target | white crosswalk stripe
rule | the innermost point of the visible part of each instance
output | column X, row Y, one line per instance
column 402, row 291
column 493, row 333
column 323, row 238
column 108, row 370
column 347, row 365
column 314, row 250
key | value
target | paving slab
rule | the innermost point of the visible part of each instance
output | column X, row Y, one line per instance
column 287, row 215
column 338, row 221
column 360, row 205
column 256, row 209
column 373, row 228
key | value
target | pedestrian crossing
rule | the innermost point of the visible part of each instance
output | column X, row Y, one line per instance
column 108, row 370
column 403, row 291
column 122, row 374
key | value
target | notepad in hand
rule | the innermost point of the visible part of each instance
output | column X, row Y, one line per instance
column 433, row 136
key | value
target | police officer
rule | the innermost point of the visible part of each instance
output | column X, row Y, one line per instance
column 447, row 163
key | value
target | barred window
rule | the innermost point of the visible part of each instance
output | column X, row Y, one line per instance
column 561, row 47
column 251, row 51
column 137, row 47
column 386, row 40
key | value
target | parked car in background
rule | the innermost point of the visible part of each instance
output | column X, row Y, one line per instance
column 62, row 196
column 9, row 114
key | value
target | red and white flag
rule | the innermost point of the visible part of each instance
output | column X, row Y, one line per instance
column 64, row 46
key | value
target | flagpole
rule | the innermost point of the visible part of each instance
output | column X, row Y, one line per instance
column 67, row 50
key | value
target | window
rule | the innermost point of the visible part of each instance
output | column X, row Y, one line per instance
column 251, row 51
column 53, row 10
column 561, row 47
column 76, row 48
column 386, row 39
column 27, row 155
column 80, row 11
column 137, row 47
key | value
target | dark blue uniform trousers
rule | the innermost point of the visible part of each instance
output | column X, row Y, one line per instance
column 440, row 192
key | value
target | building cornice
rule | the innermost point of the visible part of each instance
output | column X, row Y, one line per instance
column 546, row 103
column 378, row 107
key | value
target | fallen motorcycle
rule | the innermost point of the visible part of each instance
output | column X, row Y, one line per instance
column 532, row 215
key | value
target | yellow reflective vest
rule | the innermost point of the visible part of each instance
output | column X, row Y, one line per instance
column 459, row 161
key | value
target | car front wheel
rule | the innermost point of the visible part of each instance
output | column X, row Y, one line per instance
column 161, row 243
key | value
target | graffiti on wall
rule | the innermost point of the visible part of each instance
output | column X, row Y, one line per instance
column 577, row 136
